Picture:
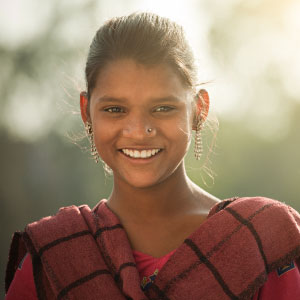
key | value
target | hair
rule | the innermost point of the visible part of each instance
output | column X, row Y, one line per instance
column 146, row 38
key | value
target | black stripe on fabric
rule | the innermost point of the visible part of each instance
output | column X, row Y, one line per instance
column 263, row 277
column 212, row 268
column 118, row 279
column 36, row 268
column 123, row 266
column 102, row 229
column 61, row 240
column 260, row 210
column 80, row 281
column 161, row 295
column 286, row 259
column 76, row 235
column 180, row 276
column 216, row 248
column 254, row 233
column 229, row 236
column 252, row 288
column 13, row 259
column 224, row 203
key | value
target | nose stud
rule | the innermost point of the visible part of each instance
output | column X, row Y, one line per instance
column 149, row 130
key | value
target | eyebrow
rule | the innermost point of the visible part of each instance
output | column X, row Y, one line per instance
column 109, row 99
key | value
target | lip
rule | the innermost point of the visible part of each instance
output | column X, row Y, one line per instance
column 140, row 148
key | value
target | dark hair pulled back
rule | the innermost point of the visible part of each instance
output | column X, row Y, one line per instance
column 146, row 38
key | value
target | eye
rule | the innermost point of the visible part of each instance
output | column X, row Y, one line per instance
column 114, row 109
column 164, row 108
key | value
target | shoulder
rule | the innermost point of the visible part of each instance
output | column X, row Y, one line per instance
column 274, row 225
column 63, row 220
column 68, row 223
column 69, row 214
column 252, row 206
column 72, row 223
column 270, row 215
column 255, row 201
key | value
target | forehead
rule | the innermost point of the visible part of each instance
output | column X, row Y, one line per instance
column 126, row 78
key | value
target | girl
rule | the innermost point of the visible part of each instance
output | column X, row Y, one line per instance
column 158, row 236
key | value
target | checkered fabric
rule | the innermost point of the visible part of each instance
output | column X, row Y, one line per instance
column 85, row 254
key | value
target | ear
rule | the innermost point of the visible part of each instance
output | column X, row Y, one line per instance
column 202, row 106
column 84, row 107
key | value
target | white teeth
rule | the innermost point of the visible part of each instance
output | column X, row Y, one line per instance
column 136, row 154
column 140, row 153
column 144, row 154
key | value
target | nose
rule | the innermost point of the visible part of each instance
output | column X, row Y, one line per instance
column 138, row 126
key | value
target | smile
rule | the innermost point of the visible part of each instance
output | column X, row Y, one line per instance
column 140, row 153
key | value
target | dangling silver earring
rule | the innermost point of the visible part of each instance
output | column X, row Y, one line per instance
column 94, row 152
column 90, row 135
column 107, row 169
column 198, row 140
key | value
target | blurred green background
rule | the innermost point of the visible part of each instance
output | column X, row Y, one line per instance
column 249, row 50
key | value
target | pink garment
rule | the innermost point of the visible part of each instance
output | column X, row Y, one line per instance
column 22, row 286
column 149, row 266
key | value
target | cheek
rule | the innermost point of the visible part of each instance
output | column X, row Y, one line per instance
column 180, row 132
column 104, row 136
column 103, row 127
column 184, row 126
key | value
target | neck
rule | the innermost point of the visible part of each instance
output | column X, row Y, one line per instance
column 169, row 198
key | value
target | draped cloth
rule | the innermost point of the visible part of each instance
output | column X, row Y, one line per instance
column 85, row 254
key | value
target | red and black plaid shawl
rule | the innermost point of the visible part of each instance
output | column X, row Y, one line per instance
column 85, row 254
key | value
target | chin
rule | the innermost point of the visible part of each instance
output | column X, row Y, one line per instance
column 143, row 182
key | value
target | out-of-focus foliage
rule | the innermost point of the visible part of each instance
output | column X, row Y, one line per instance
column 250, row 48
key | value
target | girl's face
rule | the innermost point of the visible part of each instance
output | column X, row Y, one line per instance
column 142, row 121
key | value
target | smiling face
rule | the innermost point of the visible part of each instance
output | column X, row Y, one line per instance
column 142, row 121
